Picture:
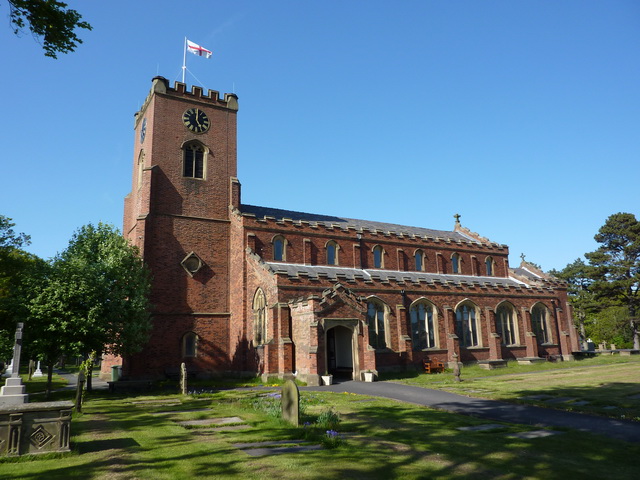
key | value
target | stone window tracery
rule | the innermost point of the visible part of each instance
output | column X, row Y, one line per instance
column 423, row 333
column 467, row 327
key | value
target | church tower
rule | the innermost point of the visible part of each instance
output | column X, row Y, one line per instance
column 184, row 183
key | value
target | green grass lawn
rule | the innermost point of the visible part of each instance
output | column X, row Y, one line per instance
column 610, row 385
column 126, row 437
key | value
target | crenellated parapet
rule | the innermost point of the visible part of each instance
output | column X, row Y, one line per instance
column 161, row 86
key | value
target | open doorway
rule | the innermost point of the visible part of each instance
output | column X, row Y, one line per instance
column 340, row 352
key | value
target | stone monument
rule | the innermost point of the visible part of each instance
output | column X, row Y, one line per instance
column 290, row 399
column 13, row 391
column 183, row 379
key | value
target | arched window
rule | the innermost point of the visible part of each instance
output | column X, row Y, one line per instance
column 194, row 160
column 332, row 253
column 378, row 257
column 419, row 258
column 279, row 248
column 467, row 325
column 455, row 263
column 540, row 323
column 376, row 323
column 189, row 345
column 506, row 325
column 422, row 325
column 259, row 318
column 489, row 266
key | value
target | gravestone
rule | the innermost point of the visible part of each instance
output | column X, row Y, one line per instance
column 290, row 399
column 13, row 390
column 183, row 379
column 38, row 372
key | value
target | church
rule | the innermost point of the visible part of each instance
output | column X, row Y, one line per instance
column 251, row 290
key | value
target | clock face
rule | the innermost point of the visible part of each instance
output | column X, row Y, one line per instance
column 143, row 130
column 196, row 120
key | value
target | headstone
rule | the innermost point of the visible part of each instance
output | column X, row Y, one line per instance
column 290, row 399
column 81, row 380
column 183, row 379
column 32, row 368
column 9, row 370
column 13, row 391
column 38, row 372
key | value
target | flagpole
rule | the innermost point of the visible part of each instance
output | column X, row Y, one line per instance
column 184, row 59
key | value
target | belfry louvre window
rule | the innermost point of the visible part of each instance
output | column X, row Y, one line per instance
column 193, row 161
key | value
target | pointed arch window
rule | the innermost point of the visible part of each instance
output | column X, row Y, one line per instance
column 194, row 160
column 419, row 260
column 332, row 253
column 279, row 248
column 467, row 327
column 376, row 322
column 190, row 345
column 540, row 324
column 378, row 257
column 423, row 332
column 455, row 263
column 488, row 263
column 259, row 318
column 506, row 325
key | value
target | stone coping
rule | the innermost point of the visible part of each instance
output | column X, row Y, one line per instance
column 38, row 406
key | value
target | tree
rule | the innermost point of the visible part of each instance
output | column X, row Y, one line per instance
column 13, row 265
column 50, row 20
column 94, row 299
column 615, row 266
column 577, row 276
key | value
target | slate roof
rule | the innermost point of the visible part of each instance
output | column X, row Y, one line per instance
column 345, row 223
column 337, row 274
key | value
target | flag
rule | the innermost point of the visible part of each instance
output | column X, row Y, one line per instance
column 198, row 50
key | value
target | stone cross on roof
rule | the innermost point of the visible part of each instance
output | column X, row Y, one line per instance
column 457, row 217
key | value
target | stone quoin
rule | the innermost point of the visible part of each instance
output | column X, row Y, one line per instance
column 251, row 290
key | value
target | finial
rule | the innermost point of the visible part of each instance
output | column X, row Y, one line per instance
column 522, row 256
column 457, row 217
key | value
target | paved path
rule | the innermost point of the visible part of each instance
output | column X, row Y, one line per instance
column 491, row 409
column 72, row 379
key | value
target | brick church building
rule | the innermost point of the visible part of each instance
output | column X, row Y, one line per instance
column 252, row 290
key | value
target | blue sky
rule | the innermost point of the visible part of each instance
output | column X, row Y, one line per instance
column 524, row 117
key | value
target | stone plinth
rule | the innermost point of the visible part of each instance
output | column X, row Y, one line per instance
column 13, row 392
column 35, row 428
column 492, row 364
column 530, row 360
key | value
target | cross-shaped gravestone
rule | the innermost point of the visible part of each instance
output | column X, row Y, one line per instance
column 13, row 390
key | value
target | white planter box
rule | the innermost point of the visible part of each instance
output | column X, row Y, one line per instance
column 327, row 379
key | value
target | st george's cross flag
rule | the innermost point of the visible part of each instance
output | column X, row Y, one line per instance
column 198, row 50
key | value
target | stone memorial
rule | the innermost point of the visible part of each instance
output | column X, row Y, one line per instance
column 290, row 399
column 13, row 391
column 30, row 428
column 38, row 372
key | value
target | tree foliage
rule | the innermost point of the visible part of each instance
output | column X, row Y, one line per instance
column 14, row 266
column 616, row 266
column 50, row 21
column 94, row 298
column 604, row 292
